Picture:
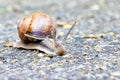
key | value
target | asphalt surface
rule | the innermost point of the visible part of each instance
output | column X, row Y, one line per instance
column 93, row 46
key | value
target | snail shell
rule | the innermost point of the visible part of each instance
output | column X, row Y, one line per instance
column 36, row 26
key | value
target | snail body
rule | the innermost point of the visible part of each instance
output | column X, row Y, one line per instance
column 47, row 46
column 36, row 26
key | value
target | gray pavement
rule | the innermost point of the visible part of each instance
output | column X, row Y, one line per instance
column 96, row 58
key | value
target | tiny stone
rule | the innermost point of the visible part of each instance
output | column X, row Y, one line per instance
column 40, row 55
column 13, row 61
column 7, row 44
column 36, row 60
column 117, row 73
column 84, row 54
column 95, row 7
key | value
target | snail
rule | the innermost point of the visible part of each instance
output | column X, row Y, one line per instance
column 37, row 31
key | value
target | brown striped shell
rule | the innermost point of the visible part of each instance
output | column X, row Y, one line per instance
column 36, row 26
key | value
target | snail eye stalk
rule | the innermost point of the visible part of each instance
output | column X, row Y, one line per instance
column 69, row 31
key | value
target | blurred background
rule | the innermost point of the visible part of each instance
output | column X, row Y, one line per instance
column 92, row 10
column 89, row 12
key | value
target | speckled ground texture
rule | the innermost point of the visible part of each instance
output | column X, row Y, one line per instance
column 86, row 58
